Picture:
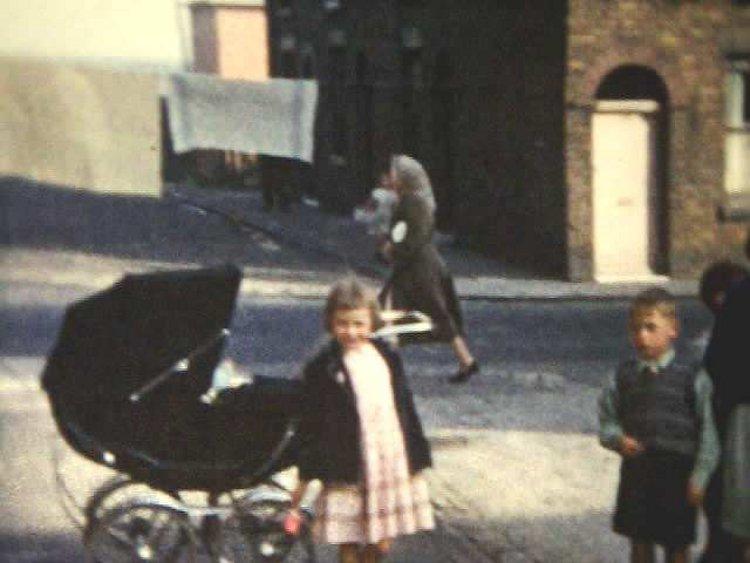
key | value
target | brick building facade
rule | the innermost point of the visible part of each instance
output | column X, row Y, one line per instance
column 685, row 49
column 497, row 100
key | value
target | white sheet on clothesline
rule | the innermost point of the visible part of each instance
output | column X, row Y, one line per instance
column 274, row 117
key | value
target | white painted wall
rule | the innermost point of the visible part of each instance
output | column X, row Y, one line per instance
column 80, row 126
column 151, row 34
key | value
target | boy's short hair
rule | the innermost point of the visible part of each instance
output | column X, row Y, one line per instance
column 718, row 278
column 350, row 293
column 655, row 299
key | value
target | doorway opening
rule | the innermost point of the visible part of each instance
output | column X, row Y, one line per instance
column 630, row 182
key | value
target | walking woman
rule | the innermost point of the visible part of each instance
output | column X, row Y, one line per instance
column 420, row 279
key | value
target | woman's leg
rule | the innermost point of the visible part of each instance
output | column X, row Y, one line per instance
column 461, row 349
column 641, row 552
column 740, row 550
column 467, row 365
column 677, row 554
column 374, row 553
column 349, row 553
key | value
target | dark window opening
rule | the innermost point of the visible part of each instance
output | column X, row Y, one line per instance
column 443, row 111
column 364, row 109
column 631, row 82
column 288, row 65
column 338, row 102
column 331, row 5
column 283, row 8
column 411, row 84
column 308, row 66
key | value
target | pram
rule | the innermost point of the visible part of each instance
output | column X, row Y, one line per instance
column 125, row 381
column 128, row 381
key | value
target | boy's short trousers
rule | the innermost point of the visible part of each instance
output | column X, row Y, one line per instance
column 652, row 504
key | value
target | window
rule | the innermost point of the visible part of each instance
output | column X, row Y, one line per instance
column 337, row 86
column 331, row 5
column 737, row 144
column 288, row 56
column 308, row 64
column 412, row 102
column 284, row 8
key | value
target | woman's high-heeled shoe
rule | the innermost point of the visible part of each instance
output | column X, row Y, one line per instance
column 463, row 374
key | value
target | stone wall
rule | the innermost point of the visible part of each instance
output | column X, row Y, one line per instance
column 84, row 127
column 679, row 40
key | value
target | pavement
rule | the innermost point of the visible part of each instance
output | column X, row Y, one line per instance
column 518, row 473
column 342, row 238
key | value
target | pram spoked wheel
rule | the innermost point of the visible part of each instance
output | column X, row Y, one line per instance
column 149, row 529
column 256, row 531
column 114, row 492
column 143, row 531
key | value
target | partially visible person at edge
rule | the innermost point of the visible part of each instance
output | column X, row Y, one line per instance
column 656, row 413
column 277, row 181
column 727, row 362
column 361, row 435
column 420, row 279
column 716, row 281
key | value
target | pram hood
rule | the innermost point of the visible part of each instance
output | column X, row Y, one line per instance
column 127, row 372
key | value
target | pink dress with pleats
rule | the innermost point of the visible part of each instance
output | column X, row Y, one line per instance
column 388, row 502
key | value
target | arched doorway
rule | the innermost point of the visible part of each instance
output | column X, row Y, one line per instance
column 442, row 140
column 629, row 180
column 364, row 110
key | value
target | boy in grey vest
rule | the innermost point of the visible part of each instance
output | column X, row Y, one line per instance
column 656, row 413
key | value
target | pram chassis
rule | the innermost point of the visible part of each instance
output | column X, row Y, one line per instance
column 126, row 519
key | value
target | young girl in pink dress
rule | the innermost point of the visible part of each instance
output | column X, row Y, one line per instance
column 362, row 435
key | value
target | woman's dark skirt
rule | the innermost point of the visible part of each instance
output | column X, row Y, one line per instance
column 652, row 504
column 432, row 292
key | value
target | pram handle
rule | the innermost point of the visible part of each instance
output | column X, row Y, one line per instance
column 415, row 321
column 181, row 365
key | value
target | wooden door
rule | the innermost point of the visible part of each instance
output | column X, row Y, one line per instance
column 624, row 190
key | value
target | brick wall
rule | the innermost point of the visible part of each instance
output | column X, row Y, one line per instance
column 679, row 40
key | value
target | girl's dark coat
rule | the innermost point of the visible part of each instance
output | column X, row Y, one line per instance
column 330, row 426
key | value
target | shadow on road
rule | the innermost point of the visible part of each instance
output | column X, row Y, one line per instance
column 40, row 547
column 58, row 219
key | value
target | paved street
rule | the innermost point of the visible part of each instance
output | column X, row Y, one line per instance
column 518, row 476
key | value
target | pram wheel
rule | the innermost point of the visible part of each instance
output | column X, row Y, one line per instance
column 144, row 531
column 255, row 532
column 115, row 492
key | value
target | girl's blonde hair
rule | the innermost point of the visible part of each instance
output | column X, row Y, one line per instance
column 413, row 178
column 350, row 293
